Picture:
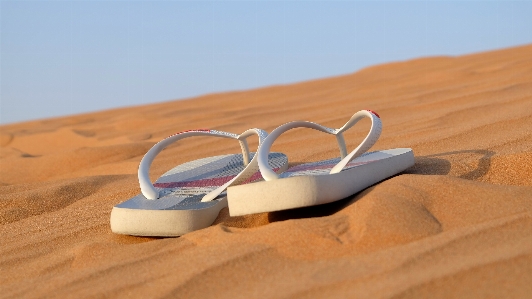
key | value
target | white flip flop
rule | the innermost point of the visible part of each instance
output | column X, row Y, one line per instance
column 319, row 182
column 189, row 196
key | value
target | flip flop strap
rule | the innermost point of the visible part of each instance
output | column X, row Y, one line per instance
column 376, row 127
column 146, row 186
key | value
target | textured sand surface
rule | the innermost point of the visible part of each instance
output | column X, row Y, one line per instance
column 457, row 224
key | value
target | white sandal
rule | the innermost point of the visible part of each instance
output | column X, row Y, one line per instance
column 189, row 196
column 319, row 182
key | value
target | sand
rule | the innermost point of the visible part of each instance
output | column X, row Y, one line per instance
column 456, row 225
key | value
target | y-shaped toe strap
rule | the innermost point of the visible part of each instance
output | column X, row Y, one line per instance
column 376, row 127
column 149, row 191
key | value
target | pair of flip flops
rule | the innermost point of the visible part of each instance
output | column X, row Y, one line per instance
column 190, row 196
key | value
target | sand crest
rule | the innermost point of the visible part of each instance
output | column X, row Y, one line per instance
column 457, row 224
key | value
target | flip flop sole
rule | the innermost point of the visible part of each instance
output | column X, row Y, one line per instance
column 164, row 223
column 296, row 189
column 179, row 209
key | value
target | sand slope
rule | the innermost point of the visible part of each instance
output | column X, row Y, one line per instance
column 457, row 224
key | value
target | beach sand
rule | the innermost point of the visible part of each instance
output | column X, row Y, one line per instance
column 456, row 225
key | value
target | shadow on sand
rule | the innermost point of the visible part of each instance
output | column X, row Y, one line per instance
column 431, row 165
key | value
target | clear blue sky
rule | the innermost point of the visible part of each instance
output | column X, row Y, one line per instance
column 66, row 57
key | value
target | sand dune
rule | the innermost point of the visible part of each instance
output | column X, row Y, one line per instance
column 457, row 224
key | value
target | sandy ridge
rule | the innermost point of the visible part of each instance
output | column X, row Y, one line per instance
column 457, row 224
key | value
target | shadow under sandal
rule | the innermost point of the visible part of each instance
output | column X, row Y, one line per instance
column 189, row 196
column 323, row 181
